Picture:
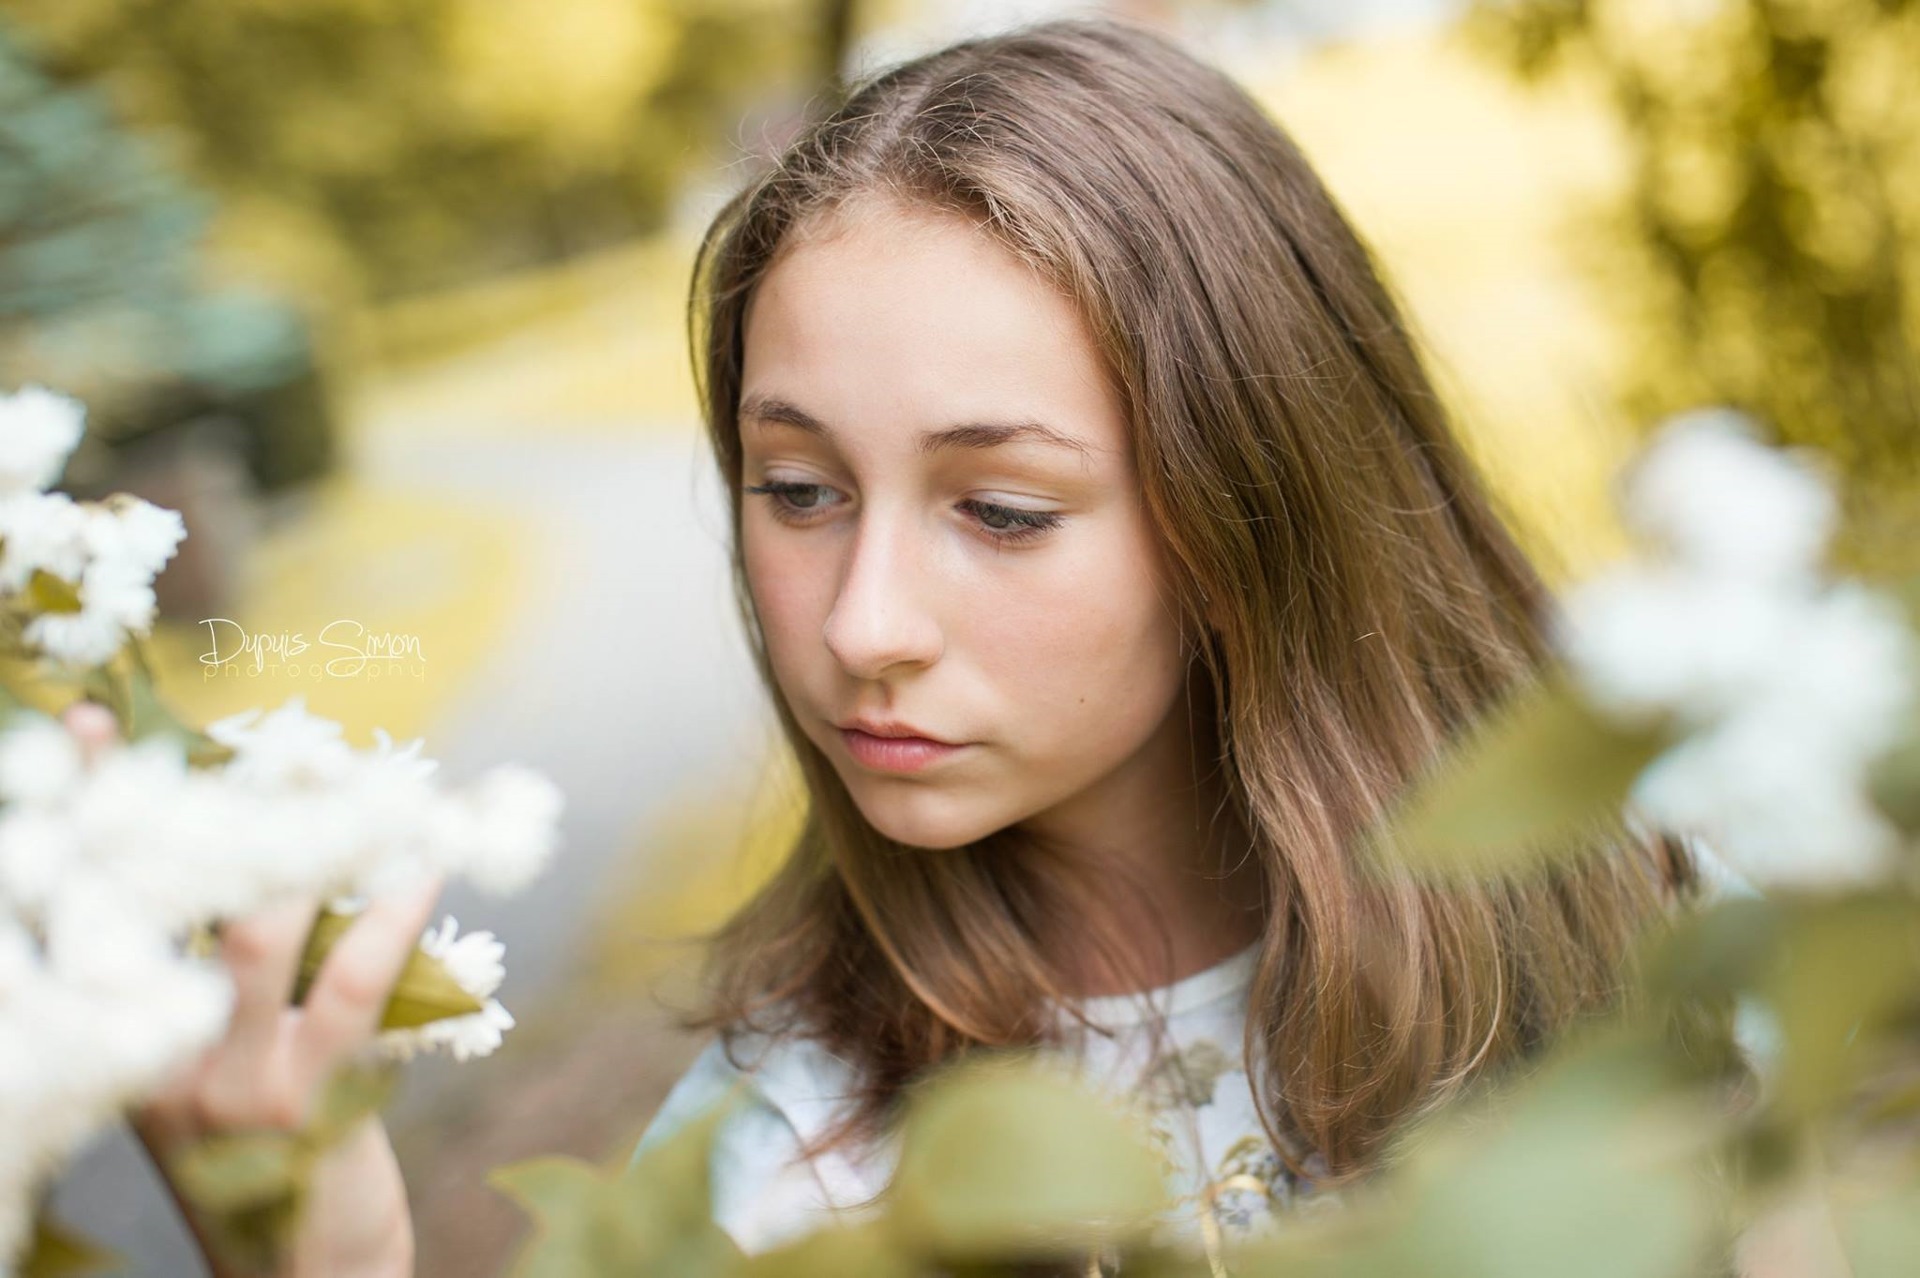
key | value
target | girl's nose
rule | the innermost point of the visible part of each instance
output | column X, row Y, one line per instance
column 878, row 622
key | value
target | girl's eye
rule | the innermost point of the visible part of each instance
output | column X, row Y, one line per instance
column 788, row 497
column 792, row 501
column 1010, row 523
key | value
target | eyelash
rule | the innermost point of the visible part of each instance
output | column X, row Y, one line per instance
column 1027, row 524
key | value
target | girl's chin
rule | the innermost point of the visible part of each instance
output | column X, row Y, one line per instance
column 920, row 829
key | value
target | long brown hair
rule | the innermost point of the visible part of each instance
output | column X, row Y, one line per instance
column 1358, row 594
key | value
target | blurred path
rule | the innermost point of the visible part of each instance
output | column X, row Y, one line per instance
column 622, row 673
column 621, row 670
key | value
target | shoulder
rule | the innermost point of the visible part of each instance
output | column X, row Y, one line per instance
column 1718, row 877
column 790, row 1090
column 1754, row 1028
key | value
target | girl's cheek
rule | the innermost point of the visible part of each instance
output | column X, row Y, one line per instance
column 782, row 580
column 1059, row 659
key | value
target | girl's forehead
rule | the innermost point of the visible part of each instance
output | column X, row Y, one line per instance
column 930, row 313
column 884, row 257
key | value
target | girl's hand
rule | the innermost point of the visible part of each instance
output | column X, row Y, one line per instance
column 269, row 1069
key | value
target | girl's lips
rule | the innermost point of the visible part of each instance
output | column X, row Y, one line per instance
column 895, row 754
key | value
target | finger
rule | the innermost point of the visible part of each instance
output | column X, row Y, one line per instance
column 93, row 725
column 164, row 1117
column 263, row 953
column 343, row 1008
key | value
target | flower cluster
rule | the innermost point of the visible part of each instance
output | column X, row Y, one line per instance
column 113, row 855
column 82, row 572
column 296, row 811
column 93, row 1016
column 1782, row 686
column 108, row 861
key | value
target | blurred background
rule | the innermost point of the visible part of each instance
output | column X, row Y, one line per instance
column 387, row 297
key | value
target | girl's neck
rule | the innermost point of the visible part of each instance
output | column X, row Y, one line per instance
column 1163, row 865
column 1184, row 920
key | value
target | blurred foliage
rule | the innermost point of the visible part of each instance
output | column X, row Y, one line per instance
column 1004, row 1157
column 440, row 140
column 1528, row 782
column 249, row 1188
column 1767, row 251
column 1605, row 1161
column 57, row 1252
column 609, row 1221
column 104, row 292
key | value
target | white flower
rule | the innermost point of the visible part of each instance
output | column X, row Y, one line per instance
column 406, row 758
column 97, row 938
column 126, row 530
column 19, row 957
column 1784, row 815
column 503, row 830
column 93, row 635
column 41, row 531
column 39, row 760
column 1648, row 640
column 37, row 851
column 296, row 810
column 1707, row 489
column 1644, row 641
column 1777, row 778
column 1783, row 688
column 38, row 430
column 108, row 553
column 106, row 860
column 105, row 1016
column 288, row 747
column 473, row 961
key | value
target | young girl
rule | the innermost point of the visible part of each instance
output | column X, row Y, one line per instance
column 1111, row 564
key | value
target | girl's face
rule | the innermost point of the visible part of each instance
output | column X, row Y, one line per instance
column 954, row 542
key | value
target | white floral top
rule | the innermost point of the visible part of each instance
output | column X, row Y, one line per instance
column 1193, row 1087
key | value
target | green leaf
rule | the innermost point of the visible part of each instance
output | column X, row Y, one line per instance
column 223, row 1174
column 588, row 1237
column 1002, row 1158
column 48, row 593
column 107, row 686
column 655, row 1217
column 424, row 993
column 1879, row 1226
column 57, row 1252
column 1592, row 1166
column 1847, row 964
column 677, row 1166
column 867, row 1249
column 149, row 716
column 353, row 1093
column 10, row 699
column 1519, row 788
column 1894, row 781
column 559, row 1193
column 1722, row 949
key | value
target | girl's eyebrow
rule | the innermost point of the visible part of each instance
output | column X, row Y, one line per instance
column 758, row 407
